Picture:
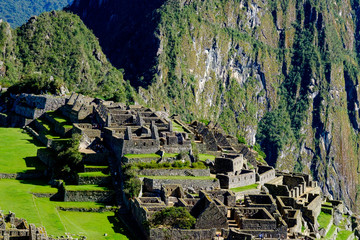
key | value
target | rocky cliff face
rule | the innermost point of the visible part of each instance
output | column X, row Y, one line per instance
column 283, row 73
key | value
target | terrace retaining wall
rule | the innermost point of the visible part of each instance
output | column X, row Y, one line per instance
column 197, row 184
column 89, row 196
column 175, row 172
column 22, row 176
column 177, row 234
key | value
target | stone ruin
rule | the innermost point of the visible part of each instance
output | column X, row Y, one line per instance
column 233, row 171
column 283, row 205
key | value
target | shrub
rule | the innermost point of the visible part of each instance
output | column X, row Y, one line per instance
column 199, row 165
column 174, row 217
column 241, row 139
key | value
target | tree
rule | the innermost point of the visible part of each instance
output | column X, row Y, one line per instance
column 69, row 159
column 132, row 184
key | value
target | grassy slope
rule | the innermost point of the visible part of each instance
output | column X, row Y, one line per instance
column 324, row 219
column 17, row 151
column 204, row 157
column 16, row 196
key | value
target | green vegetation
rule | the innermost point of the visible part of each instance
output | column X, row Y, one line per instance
column 149, row 155
column 56, row 49
column 16, row 197
column 324, row 219
column 174, row 217
column 343, row 234
column 94, row 166
column 85, row 188
column 50, row 132
column 132, row 183
column 71, row 158
column 35, row 83
column 92, row 174
column 245, row 188
column 17, row 151
column 204, row 157
column 241, row 139
column 180, row 177
column 331, row 232
column 274, row 132
column 58, row 117
column 170, row 155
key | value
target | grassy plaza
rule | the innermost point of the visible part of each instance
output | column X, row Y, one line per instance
column 17, row 148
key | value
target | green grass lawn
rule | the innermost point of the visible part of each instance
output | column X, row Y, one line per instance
column 60, row 119
column 94, row 166
column 149, row 155
column 331, row 232
column 324, row 219
column 49, row 133
column 17, row 151
column 93, row 174
column 204, row 157
column 16, row 197
column 245, row 188
column 170, row 155
column 343, row 235
column 179, row 177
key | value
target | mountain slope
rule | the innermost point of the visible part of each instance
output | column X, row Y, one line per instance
column 58, row 45
column 290, row 64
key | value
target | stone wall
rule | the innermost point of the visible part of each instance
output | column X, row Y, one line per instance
column 46, row 102
column 265, row 174
column 96, row 158
column 140, row 146
column 278, row 190
column 33, row 106
column 89, row 196
column 223, row 164
column 86, row 128
column 22, row 176
column 179, row 234
column 241, row 195
column 176, row 148
column 28, row 112
column 59, row 129
column 232, row 181
column 313, row 208
column 174, row 172
column 155, row 184
column 100, row 180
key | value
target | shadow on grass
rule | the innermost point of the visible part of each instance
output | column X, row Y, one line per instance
column 35, row 162
column 33, row 141
column 119, row 227
column 40, row 182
